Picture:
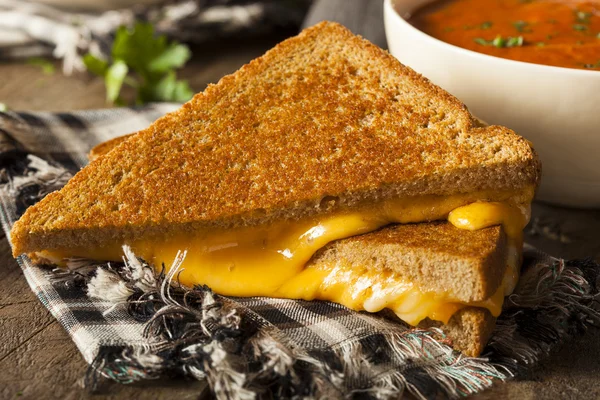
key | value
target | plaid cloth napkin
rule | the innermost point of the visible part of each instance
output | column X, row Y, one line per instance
column 131, row 324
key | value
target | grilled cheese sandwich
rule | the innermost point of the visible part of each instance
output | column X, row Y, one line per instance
column 324, row 139
column 270, row 260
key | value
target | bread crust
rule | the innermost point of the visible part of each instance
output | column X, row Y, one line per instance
column 325, row 114
column 107, row 146
column 437, row 257
column 469, row 329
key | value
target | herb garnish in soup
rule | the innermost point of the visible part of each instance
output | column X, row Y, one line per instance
column 561, row 33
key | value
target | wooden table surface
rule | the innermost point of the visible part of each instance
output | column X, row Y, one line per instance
column 39, row 361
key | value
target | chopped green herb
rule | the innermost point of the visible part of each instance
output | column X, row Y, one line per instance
column 514, row 41
column 583, row 17
column 580, row 27
column 521, row 26
column 45, row 64
column 540, row 44
column 501, row 42
column 549, row 37
column 592, row 66
column 3, row 107
column 145, row 62
column 95, row 65
column 486, row 25
column 448, row 29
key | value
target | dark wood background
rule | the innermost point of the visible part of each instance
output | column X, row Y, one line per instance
column 38, row 359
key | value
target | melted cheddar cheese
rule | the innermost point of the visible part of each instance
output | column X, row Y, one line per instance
column 270, row 260
column 361, row 289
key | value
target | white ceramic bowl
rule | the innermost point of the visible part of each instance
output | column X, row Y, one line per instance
column 558, row 109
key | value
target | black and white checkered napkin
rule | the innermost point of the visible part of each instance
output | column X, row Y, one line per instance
column 130, row 324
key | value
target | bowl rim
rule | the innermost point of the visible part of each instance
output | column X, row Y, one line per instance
column 389, row 8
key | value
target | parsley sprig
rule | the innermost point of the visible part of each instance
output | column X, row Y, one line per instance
column 144, row 61
column 592, row 66
column 501, row 42
column 522, row 26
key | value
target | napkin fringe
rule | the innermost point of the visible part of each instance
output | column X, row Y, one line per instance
column 237, row 356
column 194, row 333
column 30, row 178
column 553, row 302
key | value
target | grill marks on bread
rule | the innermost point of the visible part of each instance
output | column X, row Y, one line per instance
column 325, row 113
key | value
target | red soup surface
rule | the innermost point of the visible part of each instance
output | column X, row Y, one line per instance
column 561, row 33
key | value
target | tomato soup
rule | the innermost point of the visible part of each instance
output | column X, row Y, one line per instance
column 561, row 33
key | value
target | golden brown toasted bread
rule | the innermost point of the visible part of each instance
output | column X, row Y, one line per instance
column 437, row 257
column 469, row 329
column 323, row 115
column 107, row 146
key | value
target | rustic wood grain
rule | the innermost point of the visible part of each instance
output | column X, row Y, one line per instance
column 39, row 361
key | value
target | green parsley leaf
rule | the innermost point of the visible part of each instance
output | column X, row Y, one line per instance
column 514, row 41
column 486, row 25
column 592, row 66
column 144, row 61
column 482, row 41
column 167, row 89
column 580, row 27
column 138, row 46
column 95, row 65
column 175, row 56
column 115, row 75
column 501, row 42
column 182, row 91
column 583, row 17
column 521, row 26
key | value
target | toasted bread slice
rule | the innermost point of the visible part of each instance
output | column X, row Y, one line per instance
column 469, row 329
column 107, row 146
column 436, row 256
column 465, row 266
column 323, row 116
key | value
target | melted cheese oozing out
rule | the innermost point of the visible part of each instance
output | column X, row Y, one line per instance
column 372, row 291
column 514, row 218
column 270, row 260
